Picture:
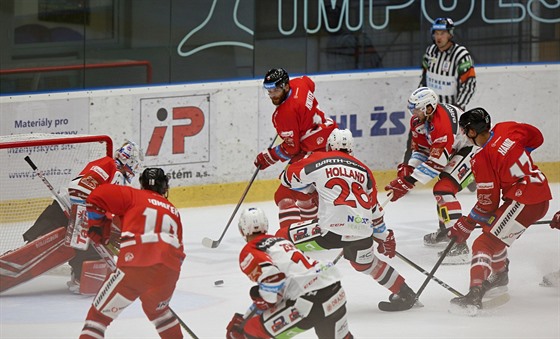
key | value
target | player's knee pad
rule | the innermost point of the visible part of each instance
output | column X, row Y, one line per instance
column 308, row 208
column 288, row 212
column 92, row 276
column 108, row 300
column 364, row 260
column 445, row 185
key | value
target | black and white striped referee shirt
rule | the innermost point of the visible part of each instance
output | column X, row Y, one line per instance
column 450, row 74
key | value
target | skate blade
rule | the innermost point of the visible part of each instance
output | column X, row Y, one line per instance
column 496, row 291
column 441, row 244
column 457, row 260
column 495, row 302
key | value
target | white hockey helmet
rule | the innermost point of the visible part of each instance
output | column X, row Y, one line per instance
column 129, row 157
column 340, row 140
column 252, row 220
column 421, row 98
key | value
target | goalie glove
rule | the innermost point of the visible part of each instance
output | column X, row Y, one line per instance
column 462, row 229
column 388, row 246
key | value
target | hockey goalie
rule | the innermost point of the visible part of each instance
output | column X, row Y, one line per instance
column 59, row 234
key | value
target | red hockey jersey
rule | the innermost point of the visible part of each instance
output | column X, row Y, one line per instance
column 433, row 141
column 298, row 120
column 97, row 172
column 151, row 231
column 503, row 168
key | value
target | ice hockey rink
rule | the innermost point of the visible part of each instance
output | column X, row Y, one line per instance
column 43, row 307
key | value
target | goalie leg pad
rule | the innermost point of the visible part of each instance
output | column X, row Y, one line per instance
column 93, row 275
column 33, row 259
column 288, row 213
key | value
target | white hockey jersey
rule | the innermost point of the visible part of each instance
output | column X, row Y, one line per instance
column 346, row 190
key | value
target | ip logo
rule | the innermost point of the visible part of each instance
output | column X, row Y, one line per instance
column 175, row 130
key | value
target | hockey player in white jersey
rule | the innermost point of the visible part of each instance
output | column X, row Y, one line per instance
column 439, row 149
column 349, row 215
column 294, row 293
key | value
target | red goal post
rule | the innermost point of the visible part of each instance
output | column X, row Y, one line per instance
column 23, row 196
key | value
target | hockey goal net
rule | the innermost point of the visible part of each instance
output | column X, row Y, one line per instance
column 23, row 196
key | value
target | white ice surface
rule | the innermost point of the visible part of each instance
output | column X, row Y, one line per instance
column 43, row 308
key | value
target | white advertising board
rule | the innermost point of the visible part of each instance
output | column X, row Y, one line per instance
column 210, row 133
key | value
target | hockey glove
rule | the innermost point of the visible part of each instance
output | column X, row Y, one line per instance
column 388, row 246
column 234, row 329
column 555, row 222
column 462, row 229
column 100, row 231
column 400, row 187
column 266, row 158
column 259, row 302
column 404, row 170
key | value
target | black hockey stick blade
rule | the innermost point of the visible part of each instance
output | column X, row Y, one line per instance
column 388, row 306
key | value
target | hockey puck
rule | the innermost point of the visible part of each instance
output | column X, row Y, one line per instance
column 218, row 283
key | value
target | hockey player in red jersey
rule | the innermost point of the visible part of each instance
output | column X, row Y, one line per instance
column 303, row 128
column 150, row 258
column 512, row 194
column 350, row 216
column 117, row 170
column 440, row 150
column 293, row 293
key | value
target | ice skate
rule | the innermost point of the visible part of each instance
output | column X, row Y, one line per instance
column 458, row 255
column 404, row 300
column 496, row 283
column 436, row 238
column 470, row 304
column 73, row 284
column 551, row 279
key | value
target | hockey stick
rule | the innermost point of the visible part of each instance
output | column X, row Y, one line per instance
column 542, row 222
column 207, row 242
column 434, row 278
column 189, row 331
column 103, row 252
column 436, row 266
column 100, row 249
column 40, row 174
